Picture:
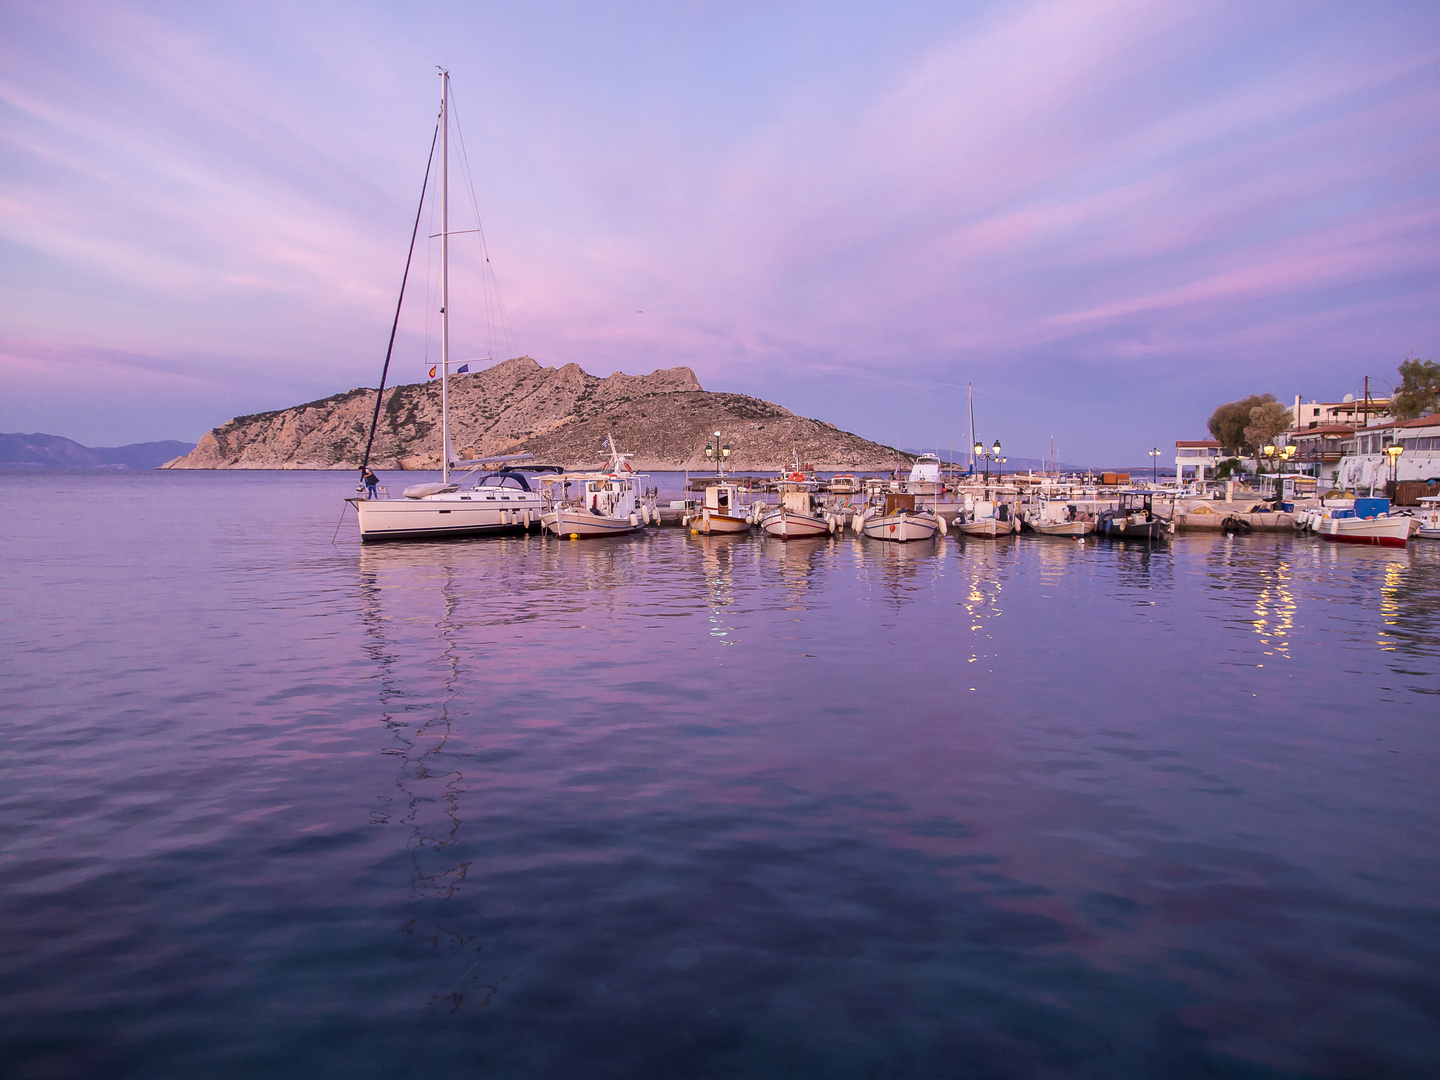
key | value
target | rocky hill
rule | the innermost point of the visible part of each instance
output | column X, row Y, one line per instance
column 561, row 415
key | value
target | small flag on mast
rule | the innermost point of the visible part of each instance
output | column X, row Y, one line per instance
column 463, row 369
column 433, row 370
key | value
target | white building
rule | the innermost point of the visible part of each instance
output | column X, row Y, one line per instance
column 1349, row 412
column 1199, row 456
column 1364, row 460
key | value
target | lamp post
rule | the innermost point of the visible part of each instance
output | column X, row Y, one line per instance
column 1269, row 451
column 1393, row 451
column 979, row 449
column 1155, row 466
column 719, row 453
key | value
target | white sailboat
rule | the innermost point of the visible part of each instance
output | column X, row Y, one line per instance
column 499, row 502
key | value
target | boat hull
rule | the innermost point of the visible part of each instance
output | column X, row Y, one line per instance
column 711, row 523
column 1117, row 529
column 1384, row 531
column 791, row 525
column 583, row 525
column 989, row 528
column 1063, row 528
column 422, row 519
column 902, row 528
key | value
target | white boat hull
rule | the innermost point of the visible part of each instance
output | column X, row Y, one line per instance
column 583, row 525
column 1063, row 528
column 793, row 525
column 987, row 527
column 1391, row 531
column 901, row 528
column 713, row 523
column 418, row 519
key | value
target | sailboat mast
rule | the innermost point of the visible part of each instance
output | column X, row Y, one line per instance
column 970, row 390
column 445, row 276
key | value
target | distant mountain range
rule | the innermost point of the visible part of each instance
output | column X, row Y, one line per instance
column 55, row 452
column 1022, row 464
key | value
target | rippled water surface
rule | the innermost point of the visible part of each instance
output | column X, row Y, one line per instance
column 682, row 807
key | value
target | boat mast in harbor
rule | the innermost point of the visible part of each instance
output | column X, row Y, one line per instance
column 445, row 277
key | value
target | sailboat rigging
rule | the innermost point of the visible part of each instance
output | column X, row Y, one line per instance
column 498, row 502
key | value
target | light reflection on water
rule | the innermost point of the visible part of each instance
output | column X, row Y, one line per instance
column 679, row 805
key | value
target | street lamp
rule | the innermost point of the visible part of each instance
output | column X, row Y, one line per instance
column 1155, row 466
column 979, row 449
column 1394, row 450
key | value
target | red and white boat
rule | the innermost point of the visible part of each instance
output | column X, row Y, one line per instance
column 1369, row 523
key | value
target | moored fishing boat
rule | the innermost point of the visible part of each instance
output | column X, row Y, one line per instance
column 843, row 484
column 899, row 521
column 799, row 515
column 1135, row 518
column 1427, row 520
column 989, row 519
column 1370, row 522
column 1055, row 517
column 611, row 502
column 721, row 512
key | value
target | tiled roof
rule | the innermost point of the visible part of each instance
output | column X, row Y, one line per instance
column 1433, row 420
column 1197, row 442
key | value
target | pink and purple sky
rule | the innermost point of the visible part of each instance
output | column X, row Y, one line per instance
column 1108, row 216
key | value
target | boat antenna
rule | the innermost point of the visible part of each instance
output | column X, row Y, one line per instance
column 390, row 349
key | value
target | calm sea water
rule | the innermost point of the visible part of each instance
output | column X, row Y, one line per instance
column 676, row 807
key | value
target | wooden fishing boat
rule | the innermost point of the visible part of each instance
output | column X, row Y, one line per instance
column 1135, row 518
column 1055, row 517
column 720, row 513
column 990, row 520
column 611, row 502
column 799, row 515
column 899, row 521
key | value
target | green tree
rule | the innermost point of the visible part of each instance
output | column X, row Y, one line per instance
column 1266, row 422
column 1228, row 422
column 1419, row 391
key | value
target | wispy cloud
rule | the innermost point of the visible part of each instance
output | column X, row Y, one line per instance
column 791, row 204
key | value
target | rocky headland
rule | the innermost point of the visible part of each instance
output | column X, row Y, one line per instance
column 561, row 415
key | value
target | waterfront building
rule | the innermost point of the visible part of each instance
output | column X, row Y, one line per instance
column 1197, row 455
column 1348, row 412
column 1319, row 449
column 1364, row 459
